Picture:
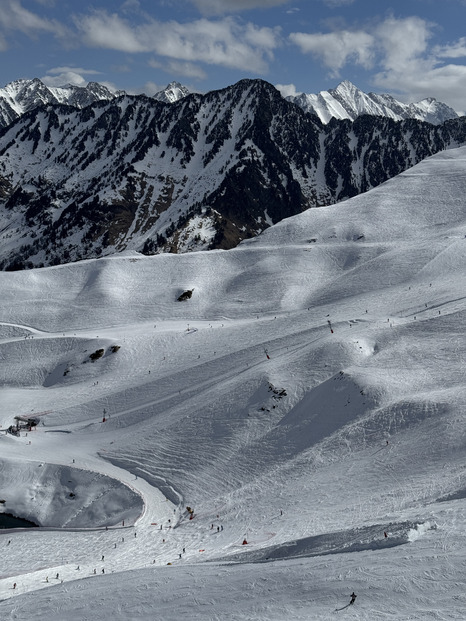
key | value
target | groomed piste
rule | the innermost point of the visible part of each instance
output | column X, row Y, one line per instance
column 292, row 433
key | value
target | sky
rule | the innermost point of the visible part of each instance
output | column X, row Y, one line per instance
column 411, row 49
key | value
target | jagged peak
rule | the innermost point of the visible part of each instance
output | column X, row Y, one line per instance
column 347, row 101
column 174, row 91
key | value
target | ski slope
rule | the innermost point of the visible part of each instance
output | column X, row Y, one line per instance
column 308, row 439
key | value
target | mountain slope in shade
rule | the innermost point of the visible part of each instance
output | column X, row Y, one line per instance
column 311, row 454
column 347, row 101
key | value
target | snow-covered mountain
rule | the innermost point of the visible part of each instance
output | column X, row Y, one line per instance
column 308, row 398
column 346, row 101
column 171, row 93
column 21, row 96
column 204, row 172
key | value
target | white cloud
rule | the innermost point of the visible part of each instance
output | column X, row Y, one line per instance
column 225, row 42
column 48, row 3
column 402, row 41
column 101, row 29
column 180, row 68
column 400, row 53
column 416, row 71
column 336, row 3
column 67, row 77
column 150, row 88
column 454, row 50
column 60, row 76
column 287, row 90
column 220, row 7
column 14, row 17
column 336, row 49
column 58, row 70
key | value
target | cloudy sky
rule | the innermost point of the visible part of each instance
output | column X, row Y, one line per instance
column 409, row 48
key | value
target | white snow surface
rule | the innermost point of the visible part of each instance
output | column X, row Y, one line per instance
column 242, row 404
column 347, row 101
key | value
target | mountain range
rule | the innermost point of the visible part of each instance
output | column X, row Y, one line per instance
column 181, row 172
column 346, row 101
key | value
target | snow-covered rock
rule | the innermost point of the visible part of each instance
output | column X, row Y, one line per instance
column 346, row 101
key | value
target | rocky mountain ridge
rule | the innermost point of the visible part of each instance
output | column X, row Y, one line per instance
column 346, row 101
column 21, row 96
column 204, row 172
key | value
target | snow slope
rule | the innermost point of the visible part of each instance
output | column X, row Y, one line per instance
column 242, row 404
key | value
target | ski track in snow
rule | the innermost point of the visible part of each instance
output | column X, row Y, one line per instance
column 310, row 454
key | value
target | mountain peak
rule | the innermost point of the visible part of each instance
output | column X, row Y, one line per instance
column 347, row 101
column 346, row 85
column 171, row 93
column 22, row 95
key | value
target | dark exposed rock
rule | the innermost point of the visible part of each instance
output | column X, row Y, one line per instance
column 204, row 172
column 186, row 295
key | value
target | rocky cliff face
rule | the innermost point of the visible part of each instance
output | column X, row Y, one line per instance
column 203, row 172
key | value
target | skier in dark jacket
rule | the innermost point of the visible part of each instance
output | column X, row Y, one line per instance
column 353, row 598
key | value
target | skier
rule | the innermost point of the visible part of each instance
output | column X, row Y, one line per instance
column 353, row 598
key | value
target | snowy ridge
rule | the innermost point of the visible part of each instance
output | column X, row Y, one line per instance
column 346, row 101
column 20, row 96
column 171, row 93
column 307, row 399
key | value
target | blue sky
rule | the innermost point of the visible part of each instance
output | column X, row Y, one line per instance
column 409, row 48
